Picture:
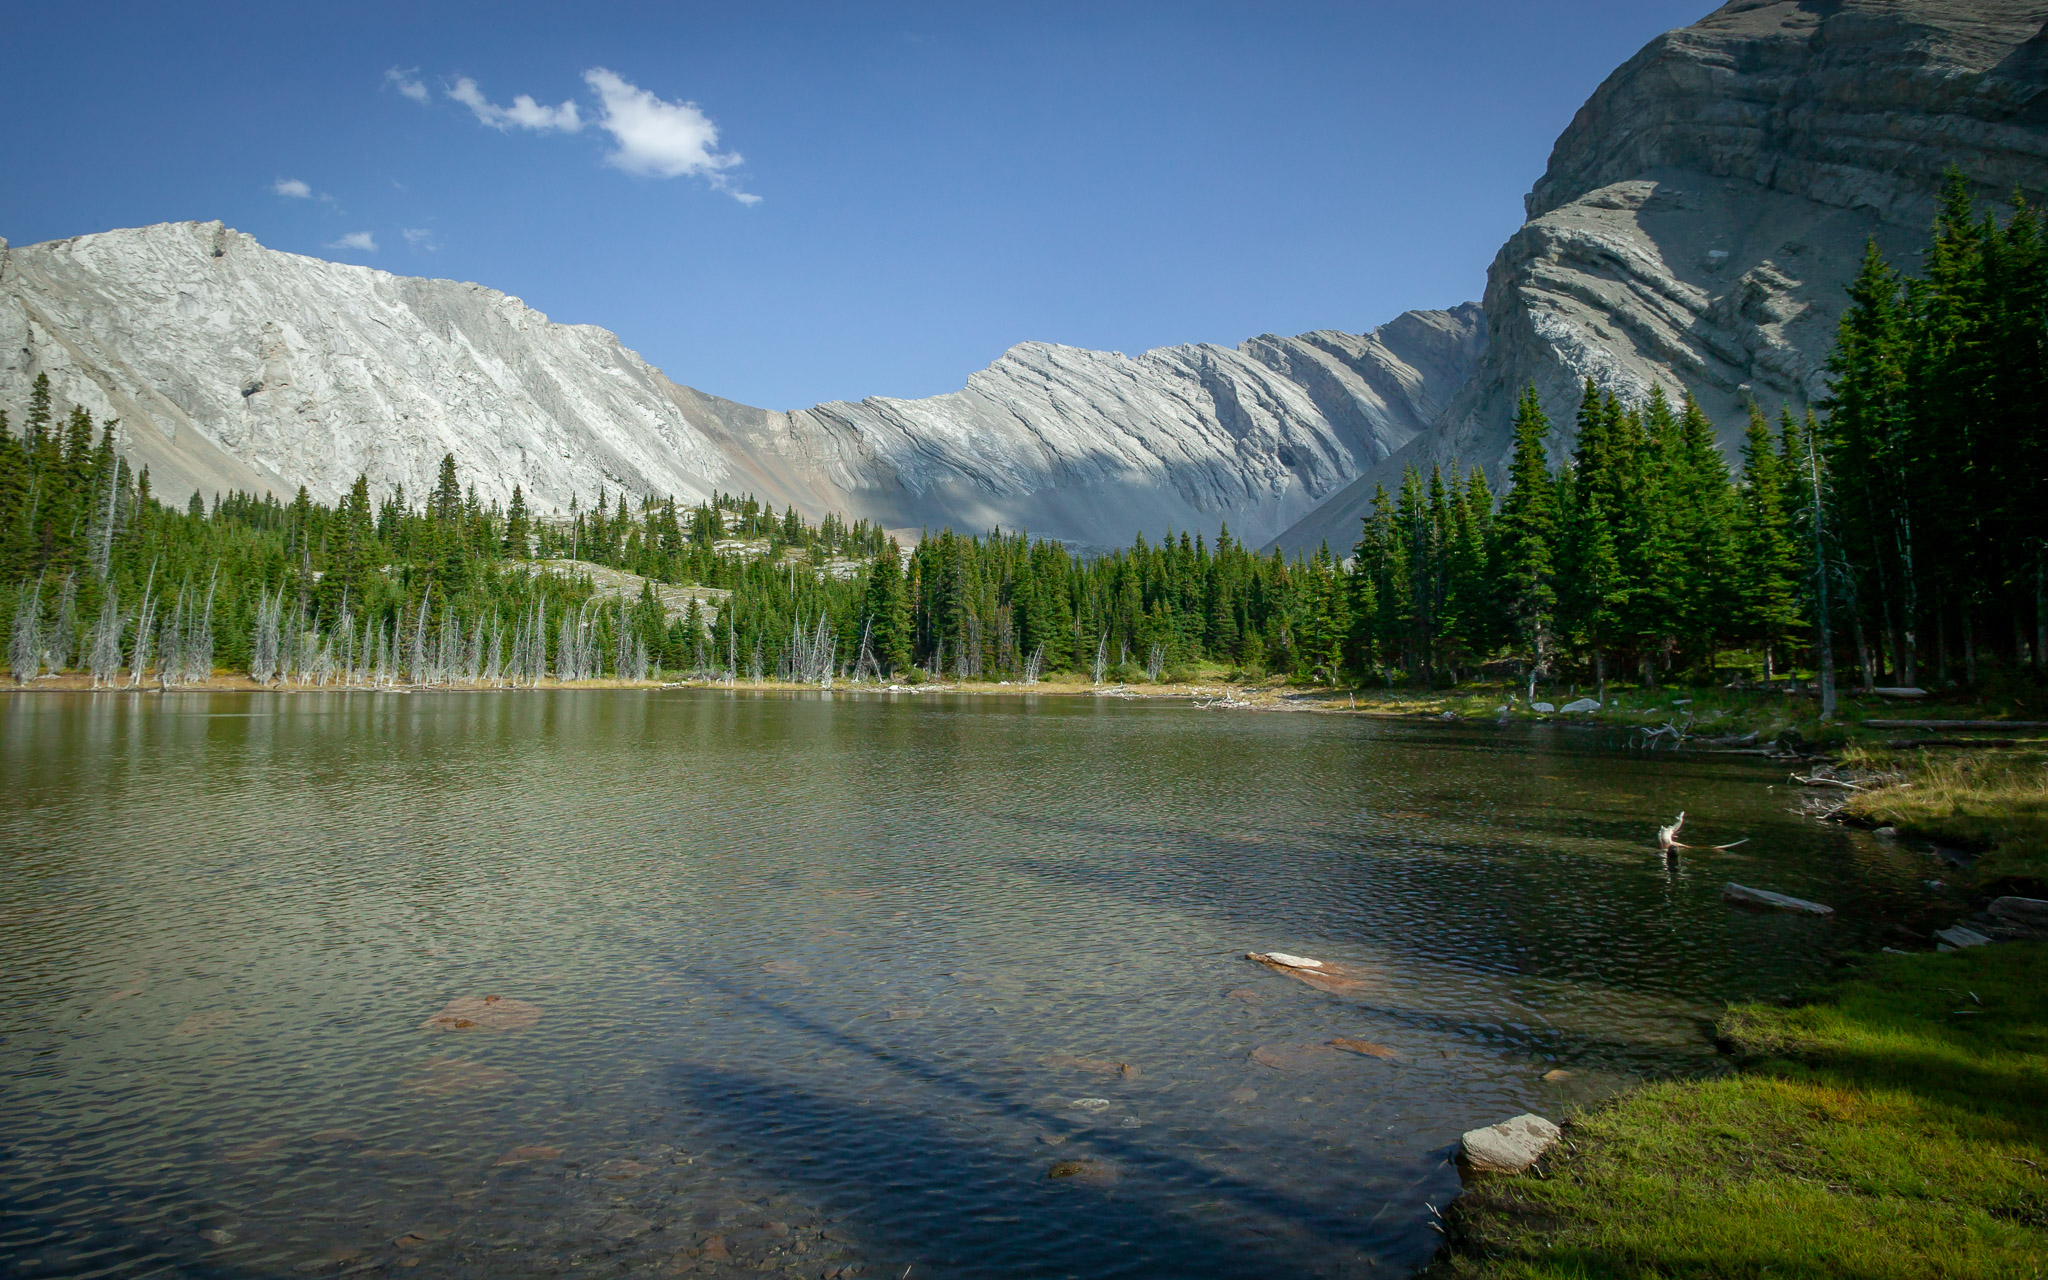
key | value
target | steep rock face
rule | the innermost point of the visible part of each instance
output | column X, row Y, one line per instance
column 1700, row 216
column 232, row 365
column 1104, row 445
column 235, row 366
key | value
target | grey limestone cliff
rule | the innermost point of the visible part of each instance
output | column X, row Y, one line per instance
column 1701, row 214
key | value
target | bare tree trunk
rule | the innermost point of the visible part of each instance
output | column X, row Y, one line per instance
column 1863, row 651
column 1969, row 648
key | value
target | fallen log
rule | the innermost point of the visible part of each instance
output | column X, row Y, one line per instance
column 1746, row 896
column 1956, row 724
column 1323, row 976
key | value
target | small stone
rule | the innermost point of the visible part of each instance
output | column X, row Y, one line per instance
column 1244, row 1095
column 1957, row 936
column 713, row 1247
column 525, row 1155
column 1582, row 705
column 1364, row 1048
column 1556, row 1075
column 410, row 1240
column 1510, row 1146
column 1052, row 1139
column 1091, row 1104
column 217, row 1235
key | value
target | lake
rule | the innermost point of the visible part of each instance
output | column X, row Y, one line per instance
column 836, row 986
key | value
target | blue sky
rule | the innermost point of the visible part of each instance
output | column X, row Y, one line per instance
column 865, row 198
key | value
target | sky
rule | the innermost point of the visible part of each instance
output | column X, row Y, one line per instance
column 784, row 204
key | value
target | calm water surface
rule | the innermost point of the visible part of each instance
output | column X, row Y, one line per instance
column 829, row 984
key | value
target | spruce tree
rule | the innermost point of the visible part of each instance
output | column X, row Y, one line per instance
column 1768, row 561
column 887, row 611
column 1525, row 564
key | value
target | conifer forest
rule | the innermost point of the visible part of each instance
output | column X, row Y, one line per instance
column 1896, row 534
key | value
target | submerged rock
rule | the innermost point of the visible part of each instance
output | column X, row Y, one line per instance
column 1089, row 1171
column 484, row 1013
column 1364, row 1048
column 1510, row 1146
column 1093, row 1066
column 1290, row 1057
column 442, row 1077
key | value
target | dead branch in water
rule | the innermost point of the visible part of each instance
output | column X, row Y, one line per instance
column 1667, row 838
column 1815, row 780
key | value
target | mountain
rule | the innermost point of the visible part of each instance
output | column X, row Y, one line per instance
column 1701, row 214
column 233, row 366
column 1693, row 229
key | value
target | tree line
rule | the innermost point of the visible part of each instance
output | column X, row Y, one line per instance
column 1899, row 531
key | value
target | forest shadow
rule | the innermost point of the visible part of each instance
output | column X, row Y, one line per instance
column 972, row 1192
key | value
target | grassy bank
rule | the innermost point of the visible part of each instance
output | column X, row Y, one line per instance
column 1989, row 802
column 1896, row 1129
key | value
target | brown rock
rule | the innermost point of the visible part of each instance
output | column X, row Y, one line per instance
column 484, row 1013
column 1364, row 1048
column 530, row 1155
column 623, row 1170
column 1088, row 1171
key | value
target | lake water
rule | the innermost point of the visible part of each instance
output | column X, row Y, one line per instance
column 834, row 985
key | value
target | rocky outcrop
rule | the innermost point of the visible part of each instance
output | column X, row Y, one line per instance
column 1700, row 216
column 233, row 366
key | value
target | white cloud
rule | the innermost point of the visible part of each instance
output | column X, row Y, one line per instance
column 292, row 187
column 419, row 237
column 361, row 240
column 407, row 81
column 662, row 139
column 524, row 111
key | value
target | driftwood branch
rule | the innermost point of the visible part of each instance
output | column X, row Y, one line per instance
column 1667, row 838
column 1815, row 780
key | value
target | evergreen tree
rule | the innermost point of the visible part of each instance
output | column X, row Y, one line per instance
column 888, row 611
column 1525, row 563
column 1768, row 562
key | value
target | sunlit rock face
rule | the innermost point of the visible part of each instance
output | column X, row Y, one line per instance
column 1700, row 216
column 233, row 366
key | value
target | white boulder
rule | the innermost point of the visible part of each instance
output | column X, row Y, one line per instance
column 1510, row 1146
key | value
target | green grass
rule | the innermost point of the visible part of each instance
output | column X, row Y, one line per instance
column 1992, row 801
column 1899, row 1129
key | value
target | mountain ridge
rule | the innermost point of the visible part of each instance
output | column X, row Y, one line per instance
column 233, row 365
